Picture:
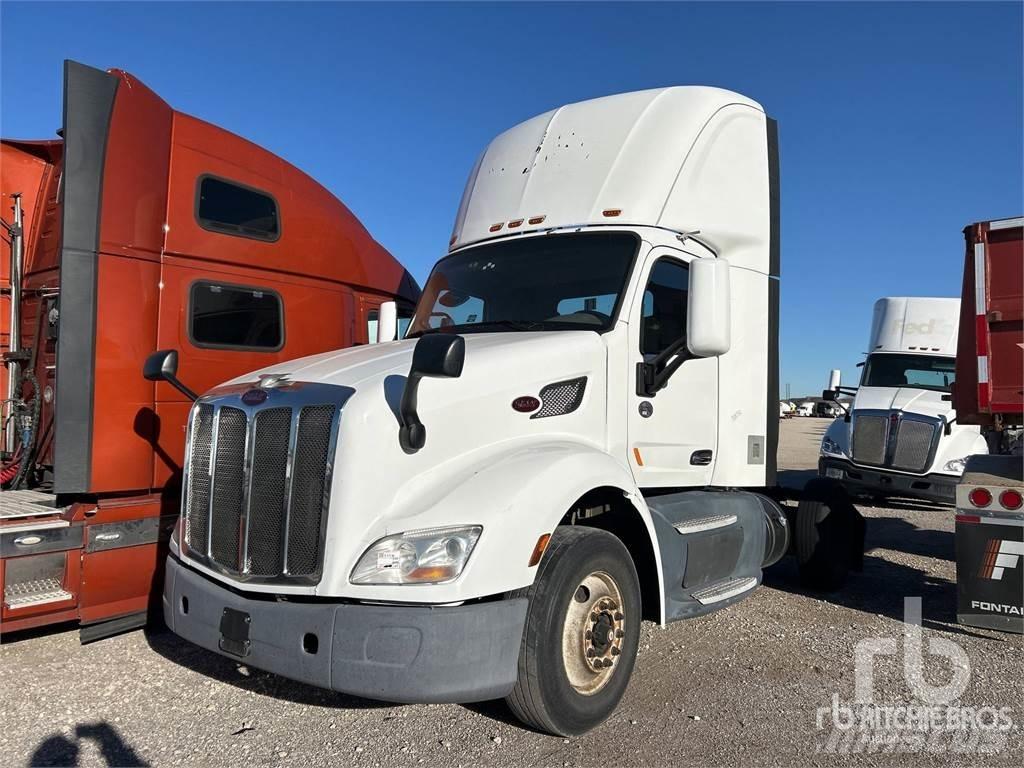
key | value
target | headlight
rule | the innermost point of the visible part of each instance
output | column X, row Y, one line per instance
column 955, row 465
column 430, row 556
column 830, row 447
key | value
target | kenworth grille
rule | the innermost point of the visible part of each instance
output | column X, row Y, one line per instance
column 257, row 480
column 894, row 439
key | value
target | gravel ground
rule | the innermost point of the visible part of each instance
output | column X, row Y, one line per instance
column 739, row 687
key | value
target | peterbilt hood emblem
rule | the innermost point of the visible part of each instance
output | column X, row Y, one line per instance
column 272, row 380
column 254, row 396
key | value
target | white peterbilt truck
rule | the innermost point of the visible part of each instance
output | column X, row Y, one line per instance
column 577, row 431
column 899, row 437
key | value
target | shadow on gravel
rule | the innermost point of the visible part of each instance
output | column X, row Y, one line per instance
column 224, row 670
column 60, row 750
column 897, row 534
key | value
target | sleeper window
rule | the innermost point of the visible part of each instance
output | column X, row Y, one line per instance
column 235, row 317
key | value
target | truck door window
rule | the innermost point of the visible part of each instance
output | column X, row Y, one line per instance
column 234, row 209
column 235, row 317
column 663, row 316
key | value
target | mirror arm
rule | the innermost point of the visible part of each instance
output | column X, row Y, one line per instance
column 947, row 426
column 173, row 381
column 649, row 379
column 413, row 435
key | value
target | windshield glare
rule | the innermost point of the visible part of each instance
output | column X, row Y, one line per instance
column 552, row 282
column 918, row 371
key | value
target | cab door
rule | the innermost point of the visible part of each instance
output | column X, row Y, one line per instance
column 672, row 434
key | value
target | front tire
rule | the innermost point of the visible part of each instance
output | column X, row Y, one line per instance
column 582, row 632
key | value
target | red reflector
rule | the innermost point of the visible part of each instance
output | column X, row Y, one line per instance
column 1010, row 499
column 968, row 519
column 980, row 497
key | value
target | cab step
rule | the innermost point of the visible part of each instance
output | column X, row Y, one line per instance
column 709, row 523
column 16, row 505
column 26, row 594
column 723, row 590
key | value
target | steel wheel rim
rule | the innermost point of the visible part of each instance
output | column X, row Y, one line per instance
column 593, row 633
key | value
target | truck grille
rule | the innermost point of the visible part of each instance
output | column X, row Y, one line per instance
column 258, row 482
column 894, row 439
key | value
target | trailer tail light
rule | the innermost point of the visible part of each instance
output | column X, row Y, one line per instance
column 980, row 497
column 1011, row 499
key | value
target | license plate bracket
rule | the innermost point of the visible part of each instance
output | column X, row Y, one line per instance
column 234, row 632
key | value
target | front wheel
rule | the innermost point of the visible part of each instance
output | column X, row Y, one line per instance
column 582, row 632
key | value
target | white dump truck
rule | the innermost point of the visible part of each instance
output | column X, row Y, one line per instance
column 900, row 436
column 578, row 430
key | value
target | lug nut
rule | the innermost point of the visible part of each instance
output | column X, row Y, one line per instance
column 615, row 651
column 591, row 653
column 594, row 616
column 618, row 616
column 588, row 635
column 619, row 633
column 612, row 605
column 607, row 663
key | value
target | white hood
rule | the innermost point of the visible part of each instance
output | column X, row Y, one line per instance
column 909, row 399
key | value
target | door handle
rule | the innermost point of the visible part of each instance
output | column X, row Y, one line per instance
column 108, row 536
column 700, row 458
column 29, row 540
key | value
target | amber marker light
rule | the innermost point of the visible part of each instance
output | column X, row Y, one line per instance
column 538, row 551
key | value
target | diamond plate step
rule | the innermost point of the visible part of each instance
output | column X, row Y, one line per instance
column 28, row 593
column 723, row 590
column 19, row 504
column 709, row 523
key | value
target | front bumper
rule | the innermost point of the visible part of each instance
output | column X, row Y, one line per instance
column 401, row 653
column 882, row 482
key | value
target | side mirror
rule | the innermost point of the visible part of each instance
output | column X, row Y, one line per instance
column 387, row 322
column 438, row 355
column 834, row 379
column 708, row 310
column 163, row 366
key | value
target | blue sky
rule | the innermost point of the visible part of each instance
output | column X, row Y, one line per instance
column 899, row 123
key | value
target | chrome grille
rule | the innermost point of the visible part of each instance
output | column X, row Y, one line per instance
column 894, row 439
column 869, row 439
column 258, row 481
column 914, row 442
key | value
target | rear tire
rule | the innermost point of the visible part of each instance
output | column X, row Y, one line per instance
column 582, row 632
column 829, row 536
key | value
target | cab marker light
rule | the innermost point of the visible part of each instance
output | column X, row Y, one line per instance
column 636, row 455
column 1011, row 499
column 536, row 219
column 515, row 223
column 980, row 497
column 611, row 212
column 496, row 227
column 538, row 551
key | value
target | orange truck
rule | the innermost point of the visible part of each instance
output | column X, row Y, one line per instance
column 142, row 228
column 989, row 392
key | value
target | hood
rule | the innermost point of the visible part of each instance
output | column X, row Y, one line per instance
column 494, row 357
column 909, row 399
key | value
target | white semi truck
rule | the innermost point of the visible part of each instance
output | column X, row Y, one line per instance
column 578, row 430
column 900, row 436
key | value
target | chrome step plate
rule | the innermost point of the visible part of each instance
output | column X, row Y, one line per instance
column 29, row 593
column 723, row 590
column 20, row 504
column 709, row 523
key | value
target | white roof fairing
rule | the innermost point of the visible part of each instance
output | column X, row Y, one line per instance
column 626, row 152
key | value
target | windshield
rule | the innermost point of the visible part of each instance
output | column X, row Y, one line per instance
column 919, row 371
column 552, row 282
